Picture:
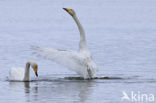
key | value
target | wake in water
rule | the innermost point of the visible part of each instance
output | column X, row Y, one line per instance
column 71, row 78
column 94, row 78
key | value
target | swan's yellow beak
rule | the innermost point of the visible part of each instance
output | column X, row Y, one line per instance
column 66, row 9
column 35, row 70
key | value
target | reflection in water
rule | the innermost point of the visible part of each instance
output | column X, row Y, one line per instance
column 85, row 91
column 35, row 92
column 25, row 88
column 61, row 90
column 66, row 91
column 15, row 85
column 19, row 84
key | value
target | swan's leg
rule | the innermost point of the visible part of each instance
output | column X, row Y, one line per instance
column 89, row 73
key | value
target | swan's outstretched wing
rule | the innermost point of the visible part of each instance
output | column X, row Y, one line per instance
column 70, row 59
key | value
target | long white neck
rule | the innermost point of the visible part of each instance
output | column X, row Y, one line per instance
column 83, row 43
column 26, row 74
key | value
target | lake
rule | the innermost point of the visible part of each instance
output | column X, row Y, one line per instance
column 121, row 35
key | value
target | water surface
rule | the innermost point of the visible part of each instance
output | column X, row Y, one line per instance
column 120, row 36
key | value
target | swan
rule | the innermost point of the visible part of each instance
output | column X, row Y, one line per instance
column 79, row 61
column 21, row 74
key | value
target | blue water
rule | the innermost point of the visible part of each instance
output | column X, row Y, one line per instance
column 121, row 36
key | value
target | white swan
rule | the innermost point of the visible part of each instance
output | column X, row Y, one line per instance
column 79, row 61
column 21, row 74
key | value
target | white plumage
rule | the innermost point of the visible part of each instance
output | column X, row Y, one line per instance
column 16, row 74
column 22, row 74
column 79, row 61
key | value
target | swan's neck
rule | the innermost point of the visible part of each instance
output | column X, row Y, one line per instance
column 26, row 74
column 83, row 43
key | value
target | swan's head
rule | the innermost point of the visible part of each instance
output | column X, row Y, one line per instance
column 35, row 68
column 70, row 11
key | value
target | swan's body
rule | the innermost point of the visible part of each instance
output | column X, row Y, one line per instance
column 21, row 74
column 79, row 61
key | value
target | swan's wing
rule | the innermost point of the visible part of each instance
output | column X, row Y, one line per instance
column 70, row 59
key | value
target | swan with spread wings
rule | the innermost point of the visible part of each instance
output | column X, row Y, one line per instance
column 79, row 61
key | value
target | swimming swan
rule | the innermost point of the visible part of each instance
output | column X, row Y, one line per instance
column 79, row 61
column 21, row 74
